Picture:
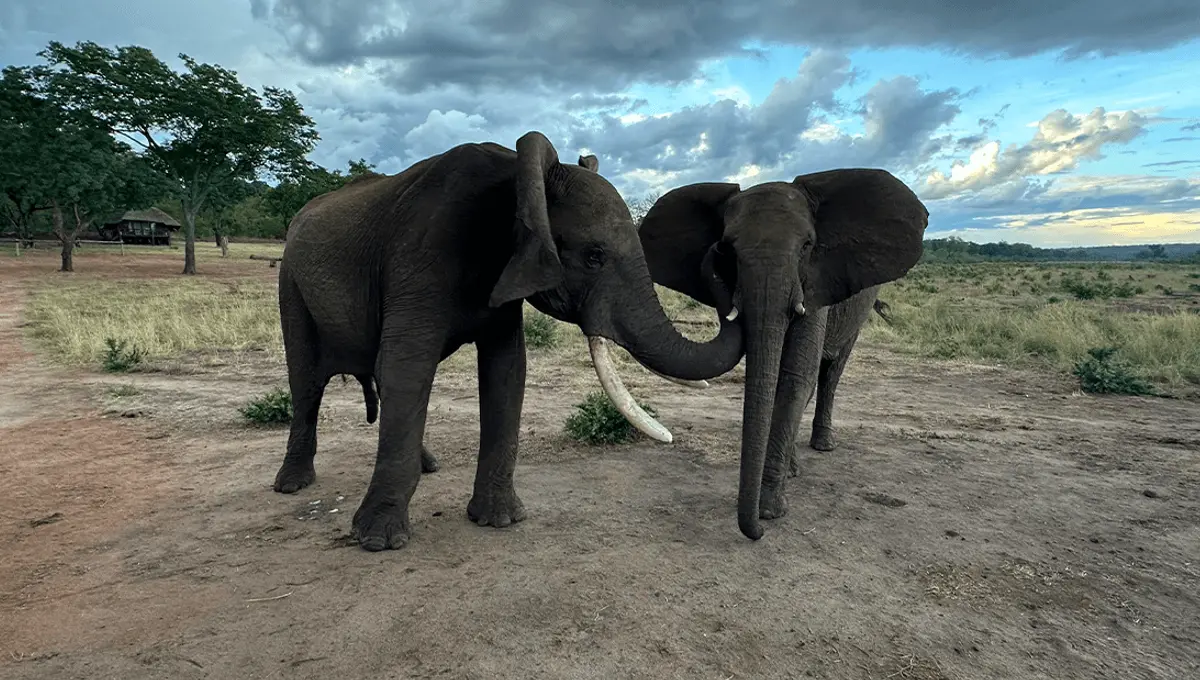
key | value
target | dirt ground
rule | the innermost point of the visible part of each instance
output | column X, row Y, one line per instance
column 976, row 522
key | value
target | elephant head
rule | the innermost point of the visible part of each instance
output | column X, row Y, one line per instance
column 771, row 253
column 577, row 257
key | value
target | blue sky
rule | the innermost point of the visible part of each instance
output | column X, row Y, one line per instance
column 1059, row 126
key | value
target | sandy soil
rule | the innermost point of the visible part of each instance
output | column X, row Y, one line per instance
column 976, row 522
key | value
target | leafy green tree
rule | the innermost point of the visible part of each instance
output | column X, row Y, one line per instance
column 21, row 181
column 290, row 195
column 66, row 160
column 200, row 129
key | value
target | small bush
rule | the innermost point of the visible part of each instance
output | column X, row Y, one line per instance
column 124, row 391
column 597, row 421
column 1194, row 287
column 119, row 359
column 1102, row 373
column 541, row 331
column 272, row 408
column 1101, row 288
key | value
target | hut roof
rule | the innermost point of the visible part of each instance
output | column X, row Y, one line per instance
column 151, row 214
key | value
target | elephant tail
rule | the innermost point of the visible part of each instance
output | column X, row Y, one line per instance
column 369, row 396
column 881, row 309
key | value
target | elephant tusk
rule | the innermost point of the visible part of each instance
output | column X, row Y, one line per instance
column 733, row 314
column 697, row 384
column 800, row 309
column 621, row 398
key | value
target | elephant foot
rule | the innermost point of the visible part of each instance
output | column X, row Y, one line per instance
column 823, row 439
column 772, row 503
column 497, row 508
column 294, row 476
column 380, row 525
column 428, row 462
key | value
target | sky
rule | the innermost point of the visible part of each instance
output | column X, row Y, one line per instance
column 1065, row 123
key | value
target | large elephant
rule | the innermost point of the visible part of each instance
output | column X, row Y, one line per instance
column 387, row 276
column 779, row 255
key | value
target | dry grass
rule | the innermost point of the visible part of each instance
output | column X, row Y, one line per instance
column 163, row 318
column 1018, row 314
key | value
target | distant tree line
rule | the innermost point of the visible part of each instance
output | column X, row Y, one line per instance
column 92, row 132
column 956, row 250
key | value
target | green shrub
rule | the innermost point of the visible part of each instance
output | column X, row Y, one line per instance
column 272, row 408
column 541, row 331
column 597, row 421
column 1100, row 288
column 119, row 359
column 1102, row 373
column 124, row 391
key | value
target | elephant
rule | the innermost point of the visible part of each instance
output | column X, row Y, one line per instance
column 388, row 275
column 799, row 263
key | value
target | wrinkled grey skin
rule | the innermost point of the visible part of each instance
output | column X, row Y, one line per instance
column 390, row 274
column 783, row 253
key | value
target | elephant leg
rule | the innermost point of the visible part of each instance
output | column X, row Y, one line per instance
column 830, row 374
column 501, row 362
column 405, row 371
column 797, row 376
column 307, row 386
column 428, row 462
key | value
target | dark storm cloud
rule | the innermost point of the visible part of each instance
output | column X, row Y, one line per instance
column 608, row 45
column 789, row 133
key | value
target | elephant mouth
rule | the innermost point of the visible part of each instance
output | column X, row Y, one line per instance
column 614, row 387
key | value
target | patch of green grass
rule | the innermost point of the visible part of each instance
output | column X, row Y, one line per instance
column 124, row 391
column 273, row 408
column 541, row 330
column 119, row 357
column 596, row 421
column 1103, row 373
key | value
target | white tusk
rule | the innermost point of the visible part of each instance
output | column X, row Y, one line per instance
column 733, row 312
column 800, row 308
column 621, row 398
column 698, row 384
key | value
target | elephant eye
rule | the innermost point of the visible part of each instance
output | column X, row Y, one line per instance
column 594, row 257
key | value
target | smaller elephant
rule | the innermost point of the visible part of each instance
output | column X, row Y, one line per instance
column 799, row 264
column 836, row 329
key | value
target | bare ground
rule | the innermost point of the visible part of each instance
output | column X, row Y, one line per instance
column 976, row 522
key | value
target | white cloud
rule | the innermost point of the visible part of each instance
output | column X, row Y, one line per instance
column 1061, row 141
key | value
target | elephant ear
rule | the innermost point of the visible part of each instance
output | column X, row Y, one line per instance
column 590, row 162
column 870, row 230
column 677, row 233
column 534, row 265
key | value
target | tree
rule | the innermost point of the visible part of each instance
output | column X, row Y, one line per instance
column 200, row 129
column 287, row 198
column 638, row 207
column 20, row 178
column 1154, row 252
column 67, row 160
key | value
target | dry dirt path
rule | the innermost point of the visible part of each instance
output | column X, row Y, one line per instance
column 975, row 523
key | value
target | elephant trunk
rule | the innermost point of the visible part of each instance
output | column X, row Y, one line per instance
column 768, row 297
column 640, row 325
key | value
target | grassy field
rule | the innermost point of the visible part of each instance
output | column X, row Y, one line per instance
column 1033, row 314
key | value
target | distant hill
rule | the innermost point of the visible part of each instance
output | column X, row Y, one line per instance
column 956, row 250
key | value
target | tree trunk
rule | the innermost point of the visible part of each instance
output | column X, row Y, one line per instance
column 67, row 240
column 189, row 248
